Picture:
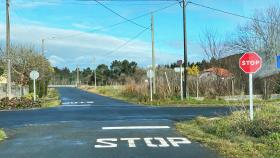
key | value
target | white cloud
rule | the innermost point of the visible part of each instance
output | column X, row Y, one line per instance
column 85, row 26
column 81, row 48
column 81, row 26
column 55, row 60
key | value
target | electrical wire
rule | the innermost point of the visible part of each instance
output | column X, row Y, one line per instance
column 127, row 42
column 227, row 12
column 116, row 24
column 110, row 4
column 111, row 10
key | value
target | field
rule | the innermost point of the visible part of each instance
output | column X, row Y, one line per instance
column 134, row 95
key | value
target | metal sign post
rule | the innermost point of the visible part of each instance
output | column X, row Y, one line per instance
column 251, row 96
column 34, row 75
column 151, row 89
column 181, row 82
column 179, row 69
column 150, row 75
column 250, row 63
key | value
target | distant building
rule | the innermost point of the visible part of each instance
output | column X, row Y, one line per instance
column 215, row 73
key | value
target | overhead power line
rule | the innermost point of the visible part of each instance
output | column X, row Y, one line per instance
column 229, row 13
column 127, row 42
column 111, row 10
column 119, row 23
column 89, row 4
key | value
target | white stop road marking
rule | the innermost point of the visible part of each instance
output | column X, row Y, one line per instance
column 151, row 142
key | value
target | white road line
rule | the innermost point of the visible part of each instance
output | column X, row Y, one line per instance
column 76, row 105
column 135, row 127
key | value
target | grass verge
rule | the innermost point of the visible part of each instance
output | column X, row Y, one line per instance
column 119, row 92
column 235, row 136
column 52, row 99
column 2, row 135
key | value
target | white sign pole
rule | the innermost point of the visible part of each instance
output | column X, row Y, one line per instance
column 34, row 90
column 151, row 89
column 34, row 75
column 181, row 82
column 251, row 96
column 197, row 88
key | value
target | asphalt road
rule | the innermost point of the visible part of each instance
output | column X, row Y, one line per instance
column 92, row 126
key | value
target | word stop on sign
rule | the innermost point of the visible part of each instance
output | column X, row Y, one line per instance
column 250, row 62
column 151, row 142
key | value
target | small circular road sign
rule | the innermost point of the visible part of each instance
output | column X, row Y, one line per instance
column 34, row 75
column 250, row 62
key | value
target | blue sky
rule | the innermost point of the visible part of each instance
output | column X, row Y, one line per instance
column 70, row 23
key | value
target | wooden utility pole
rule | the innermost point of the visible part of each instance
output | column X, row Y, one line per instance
column 9, row 80
column 185, row 51
column 153, row 54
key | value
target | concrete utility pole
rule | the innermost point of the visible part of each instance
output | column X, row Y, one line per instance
column 43, row 67
column 153, row 54
column 185, row 51
column 9, row 80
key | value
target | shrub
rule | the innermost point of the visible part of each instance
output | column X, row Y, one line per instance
column 2, row 135
column 18, row 103
column 273, row 143
column 134, row 90
column 258, row 127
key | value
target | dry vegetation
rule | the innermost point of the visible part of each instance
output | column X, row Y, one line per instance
column 235, row 136
column 26, row 102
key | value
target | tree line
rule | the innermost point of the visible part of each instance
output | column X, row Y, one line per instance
column 115, row 73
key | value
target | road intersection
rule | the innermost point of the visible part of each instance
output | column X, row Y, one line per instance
column 101, row 127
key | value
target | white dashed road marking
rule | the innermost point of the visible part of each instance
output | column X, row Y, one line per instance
column 75, row 103
column 135, row 127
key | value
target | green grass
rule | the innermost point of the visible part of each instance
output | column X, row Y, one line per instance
column 52, row 99
column 235, row 136
column 2, row 135
column 113, row 92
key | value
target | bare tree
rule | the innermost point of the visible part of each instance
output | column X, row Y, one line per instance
column 263, row 36
column 212, row 44
column 24, row 60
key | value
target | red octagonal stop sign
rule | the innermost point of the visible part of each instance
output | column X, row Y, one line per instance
column 250, row 62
